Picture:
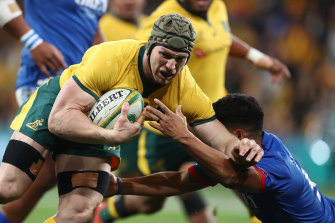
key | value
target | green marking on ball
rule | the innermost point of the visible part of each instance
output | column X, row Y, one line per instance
column 131, row 118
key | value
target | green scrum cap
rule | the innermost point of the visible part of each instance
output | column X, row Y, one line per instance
column 174, row 32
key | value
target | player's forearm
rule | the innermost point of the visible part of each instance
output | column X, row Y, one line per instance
column 216, row 135
column 241, row 49
column 214, row 162
column 17, row 27
column 73, row 125
column 99, row 37
column 238, row 47
column 11, row 18
column 221, row 168
column 158, row 184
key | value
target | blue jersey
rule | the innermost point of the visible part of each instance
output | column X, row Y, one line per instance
column 287, row 194
column 70, row 25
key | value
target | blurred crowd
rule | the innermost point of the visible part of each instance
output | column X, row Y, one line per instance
column 301, row 33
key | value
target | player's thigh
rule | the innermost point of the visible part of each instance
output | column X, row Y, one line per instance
column 69, row 162
column 143, row 204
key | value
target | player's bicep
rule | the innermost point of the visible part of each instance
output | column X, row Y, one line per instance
column 213, row 133
column 98, row 37
column 71, row 96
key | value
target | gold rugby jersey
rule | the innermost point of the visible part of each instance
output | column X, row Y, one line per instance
column 118, row 64
column 115, row 28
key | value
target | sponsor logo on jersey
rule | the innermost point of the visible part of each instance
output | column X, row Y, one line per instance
column 99, row 5
column 225, row 26
column 113, row 148
column 92, row 8
column 35, row 124
column 199, row 53
column 105, row 102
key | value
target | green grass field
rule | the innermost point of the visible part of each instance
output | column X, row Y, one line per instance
column 228, row 208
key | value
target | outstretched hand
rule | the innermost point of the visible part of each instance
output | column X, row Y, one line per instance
column 171, row 124
column 246, row 152
column 47, row 56
column 278, row 71
column 126, row 130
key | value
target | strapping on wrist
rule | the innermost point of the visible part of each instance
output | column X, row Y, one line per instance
column 254, row 55
column 119, row 185
column 31, row 40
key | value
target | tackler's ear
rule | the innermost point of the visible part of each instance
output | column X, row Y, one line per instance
column 239, row 133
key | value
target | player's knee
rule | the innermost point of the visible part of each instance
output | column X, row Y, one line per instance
column 81, row 196
column 80, row 209
column 83, row 211
column 9, row 191
column 193, row 203
column 152, row 205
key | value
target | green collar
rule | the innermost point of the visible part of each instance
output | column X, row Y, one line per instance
column 148, row 85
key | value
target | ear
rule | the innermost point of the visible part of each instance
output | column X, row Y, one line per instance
column 239, row 133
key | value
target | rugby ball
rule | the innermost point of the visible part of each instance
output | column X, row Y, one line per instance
column 107, row 109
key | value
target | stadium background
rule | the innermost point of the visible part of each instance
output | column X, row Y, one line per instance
column 301, row 111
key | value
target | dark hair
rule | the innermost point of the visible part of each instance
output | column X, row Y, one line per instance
column 240, row 111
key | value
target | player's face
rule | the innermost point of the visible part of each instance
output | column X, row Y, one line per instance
column 127, row 9
column 166, row 64
column 197, row 6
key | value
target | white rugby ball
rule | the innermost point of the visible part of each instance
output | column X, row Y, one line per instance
column 107, row 109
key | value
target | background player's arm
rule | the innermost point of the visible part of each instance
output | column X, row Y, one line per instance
column 69, row 121
column 241, row 49
column 99, row 37
column 45, row 55
column 17, row 27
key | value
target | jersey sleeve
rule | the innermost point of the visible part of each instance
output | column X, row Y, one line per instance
column 199, row 175
column 196, row 105
column 262, row 174
column 98, row 70
column 223, row 10
column 273, row 175
column 220, row 9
